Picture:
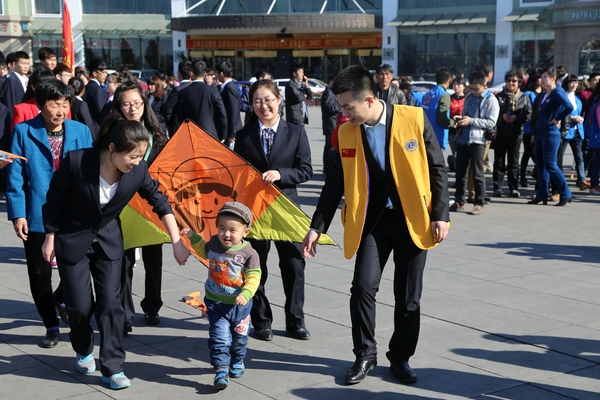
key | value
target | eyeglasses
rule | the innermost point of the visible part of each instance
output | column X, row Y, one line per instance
column 259, row 103
column 512, row 81
column 135, row 104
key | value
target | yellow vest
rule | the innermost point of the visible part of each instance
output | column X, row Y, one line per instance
column 410, row 169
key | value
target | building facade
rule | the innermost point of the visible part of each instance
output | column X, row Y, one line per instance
column 323, row 36
column 458, row 34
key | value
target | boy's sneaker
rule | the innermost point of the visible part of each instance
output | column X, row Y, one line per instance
column 595, row 190
column 477, row 210
column 237, row 370
column 222, row 379
column 117, row 381
column 457, row 207
column 86, row 364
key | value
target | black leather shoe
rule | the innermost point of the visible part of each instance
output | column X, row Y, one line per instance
column 62, row 312
column 51, row 339
column 300, row 334
column 564, row 202
column 152, row 318
column 263, row 334
column 404, row 372
column 359, row 371
column 128, row 327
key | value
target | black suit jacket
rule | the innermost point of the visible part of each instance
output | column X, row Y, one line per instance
column 81, row 113
column 290, row 154
column 73, row 212
column 202, row 104
column 381, row 184
column 294, row 97
column 95, row 97
column 233, row 104
column 13, row 93
column 170, row 108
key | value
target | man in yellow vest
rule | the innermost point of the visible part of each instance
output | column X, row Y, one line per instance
column 390, row 169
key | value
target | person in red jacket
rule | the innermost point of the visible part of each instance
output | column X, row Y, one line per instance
column 28, row 109
column 457, row 101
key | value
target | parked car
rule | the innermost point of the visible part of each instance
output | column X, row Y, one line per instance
column 428, row 85
column 145, row 74
column 316, row 86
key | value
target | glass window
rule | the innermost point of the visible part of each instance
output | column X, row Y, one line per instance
column 125, row 6
column 533, row 46
column 47, row 6
column 589, row 57
column 315, row 6
column 405, row 4
column 211, row 7
column 420, row 56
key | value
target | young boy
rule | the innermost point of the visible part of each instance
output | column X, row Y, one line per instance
column 234, row 276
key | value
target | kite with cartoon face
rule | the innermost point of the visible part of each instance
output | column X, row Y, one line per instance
column 198, row 189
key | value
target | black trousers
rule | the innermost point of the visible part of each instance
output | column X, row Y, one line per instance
column 507, row 145
column 40, row 279
column 291, row 265
column 527, row 154
column 152, row 257
column 390, row 233
column 474, row 153
column 108, row 308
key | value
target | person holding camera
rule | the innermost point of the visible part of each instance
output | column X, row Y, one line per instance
column 296, row 93
column 475, row 127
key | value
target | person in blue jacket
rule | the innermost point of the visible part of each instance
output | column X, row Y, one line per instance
column 436, row 104
column 553, row 107
column 44, row 141
column 571, row 129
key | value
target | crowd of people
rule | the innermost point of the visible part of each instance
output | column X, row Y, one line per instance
column 542, row 112
column 89, row 138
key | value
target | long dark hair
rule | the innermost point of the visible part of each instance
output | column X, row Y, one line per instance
column 124, row 134
column 268, row 84
column 159, row 93
column 148, row 117
column 39, row 76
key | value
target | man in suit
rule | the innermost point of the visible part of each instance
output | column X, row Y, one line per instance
column 95, row 96
column 47, row 57
column 329, row 111
column 230, row 94
column 405, row 211
column 389, row 93
column 296, row 93
column 183, row 75
column 202, row 104
column 16, row 83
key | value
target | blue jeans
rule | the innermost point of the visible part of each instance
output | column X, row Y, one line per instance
column 229, row 327
column 546, row 151
column 575, row 144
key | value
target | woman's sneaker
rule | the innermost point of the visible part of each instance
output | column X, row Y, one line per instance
column 237, row 370
column 595, row 190
column 222, row 379
column 117, row 381
column 86, row 364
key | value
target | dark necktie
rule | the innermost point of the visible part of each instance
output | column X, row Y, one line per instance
column 267, row 136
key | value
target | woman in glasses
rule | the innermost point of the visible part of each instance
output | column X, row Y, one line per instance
column 281, row 152
column 130, row 103
column 515, row 111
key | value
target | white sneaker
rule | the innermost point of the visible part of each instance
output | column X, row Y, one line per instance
column 117, row 381
column 86, row 364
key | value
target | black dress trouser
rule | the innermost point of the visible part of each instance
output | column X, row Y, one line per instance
column 107, row 307
column 390, row 233
column 291, row 266
column 152, row 257
column 40, row 279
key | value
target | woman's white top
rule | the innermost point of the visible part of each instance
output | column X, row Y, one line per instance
column 107, row 192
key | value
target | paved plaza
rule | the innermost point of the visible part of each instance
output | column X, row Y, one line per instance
column 510, row 310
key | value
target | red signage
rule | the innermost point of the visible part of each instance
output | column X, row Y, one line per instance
column 284, row 43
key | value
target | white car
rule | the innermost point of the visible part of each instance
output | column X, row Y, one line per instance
column 316, row 86
column 428, row 85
